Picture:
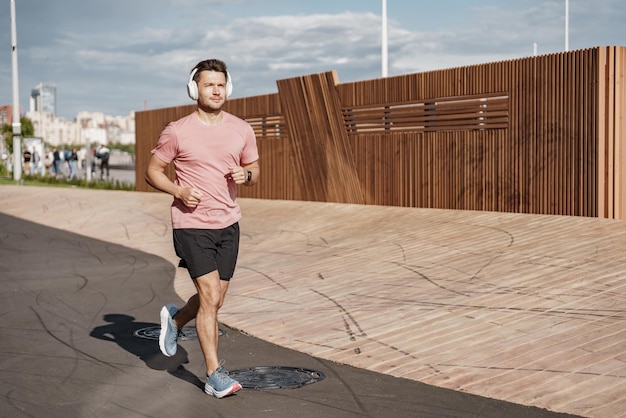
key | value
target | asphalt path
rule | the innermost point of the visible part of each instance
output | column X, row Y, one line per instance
column 75, row 311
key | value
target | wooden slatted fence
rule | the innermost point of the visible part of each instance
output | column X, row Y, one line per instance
column 539, row 135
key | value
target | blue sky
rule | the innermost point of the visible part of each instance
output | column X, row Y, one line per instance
column 117, row 56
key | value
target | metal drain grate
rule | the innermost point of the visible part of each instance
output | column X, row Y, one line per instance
column 275, row 377
column 186, row 334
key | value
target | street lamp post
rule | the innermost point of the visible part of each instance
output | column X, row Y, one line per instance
column 17, row 126
column 88, row 159
column 566, row 25
column 384, row 40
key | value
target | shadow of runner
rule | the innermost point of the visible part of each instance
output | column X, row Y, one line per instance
column 121, row 330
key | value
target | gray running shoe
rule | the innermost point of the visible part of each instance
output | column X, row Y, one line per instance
column 219, row 384
column 168, row 338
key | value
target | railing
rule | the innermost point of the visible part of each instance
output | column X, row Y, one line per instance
column 464, row 113
column 268, row 126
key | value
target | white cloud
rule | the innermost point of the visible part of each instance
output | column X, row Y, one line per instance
column 111, row 61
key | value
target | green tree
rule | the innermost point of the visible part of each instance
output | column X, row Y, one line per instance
column 7, row 132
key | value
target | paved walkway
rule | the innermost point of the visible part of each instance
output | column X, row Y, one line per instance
column 521, row 308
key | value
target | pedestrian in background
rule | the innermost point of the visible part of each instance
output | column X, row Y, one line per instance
column 56, row 161
column 103, row 154
column 27, row 157
column 73, row 163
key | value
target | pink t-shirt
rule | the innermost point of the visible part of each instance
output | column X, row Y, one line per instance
column 202, row 156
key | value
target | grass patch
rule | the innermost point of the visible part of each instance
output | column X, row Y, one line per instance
column 52, row 181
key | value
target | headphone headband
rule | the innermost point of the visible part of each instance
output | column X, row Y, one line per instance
column 192, row 86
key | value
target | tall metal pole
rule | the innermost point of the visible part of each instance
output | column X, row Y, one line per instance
column 17, row 126
column 384, row 40
column 566, row 25
column 88, row 158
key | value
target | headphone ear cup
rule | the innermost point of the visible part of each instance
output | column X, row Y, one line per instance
column 192, row 87
column 229, row 85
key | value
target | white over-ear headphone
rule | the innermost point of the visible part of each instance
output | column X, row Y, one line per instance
column 192, row 86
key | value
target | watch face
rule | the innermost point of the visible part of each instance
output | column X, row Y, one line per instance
column 249, row 176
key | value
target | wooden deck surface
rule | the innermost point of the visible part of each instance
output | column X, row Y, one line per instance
column 524, row 308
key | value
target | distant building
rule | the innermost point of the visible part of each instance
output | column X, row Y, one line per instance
column 55, row 131
column 118, row 129
column 6, row 114
column 43, row 98
column 92, row 137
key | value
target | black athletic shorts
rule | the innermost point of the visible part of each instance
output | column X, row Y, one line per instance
column 202, row 251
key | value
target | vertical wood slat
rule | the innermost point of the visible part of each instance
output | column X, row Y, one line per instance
column 619, row 124
column 612, row 126
column 321, row 150
column 561, row 151
column 610, row 80
column 603, row 210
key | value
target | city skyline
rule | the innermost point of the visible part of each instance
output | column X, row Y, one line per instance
column 111, row 62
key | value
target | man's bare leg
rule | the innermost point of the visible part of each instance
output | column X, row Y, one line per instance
column 211, row 292
column 187, row 312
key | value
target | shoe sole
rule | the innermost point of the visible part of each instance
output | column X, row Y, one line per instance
column 221, row 394
column 165, row 316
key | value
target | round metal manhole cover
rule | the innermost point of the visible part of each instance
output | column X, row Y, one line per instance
column 275, row 377
column 187, row 333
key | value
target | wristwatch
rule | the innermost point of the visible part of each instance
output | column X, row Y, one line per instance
column 249, row 176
